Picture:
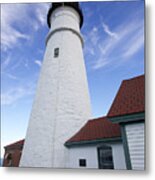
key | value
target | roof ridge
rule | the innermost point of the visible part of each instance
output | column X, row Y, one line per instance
column 16, row 142
column 133, row 78
column 95, row 119
column 130, row 97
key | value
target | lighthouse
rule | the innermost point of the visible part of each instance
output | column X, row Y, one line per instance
column 62, row 104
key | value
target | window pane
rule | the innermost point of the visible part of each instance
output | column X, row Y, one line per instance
column 56, row 52
column 105, row 157
column 82, row 162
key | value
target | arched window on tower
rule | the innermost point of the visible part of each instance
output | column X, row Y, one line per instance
column 105, row 158
column 8, row 158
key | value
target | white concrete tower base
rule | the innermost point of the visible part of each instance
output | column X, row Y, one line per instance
column 62, row 103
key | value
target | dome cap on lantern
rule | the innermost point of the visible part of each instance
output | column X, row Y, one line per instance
column 74, row 5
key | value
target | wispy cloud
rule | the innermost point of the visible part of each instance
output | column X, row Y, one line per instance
column 134, row 44
column 113, row 40
column 92, row 36
column 5, row 62
column 10, row 76
column 9, row 65
column 12, row 27
column 38, row 62
column 16, row 93
column 41, row 13
column 10, row 36
column 108, row 31
column 123, row 44
column 91, row 39
column 100, row 63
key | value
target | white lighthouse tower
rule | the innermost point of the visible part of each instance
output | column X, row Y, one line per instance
column 62, row 104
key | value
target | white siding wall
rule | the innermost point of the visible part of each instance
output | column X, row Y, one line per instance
column 85, row 152
column 90, row 154
column 118, row 156
column 135, row 138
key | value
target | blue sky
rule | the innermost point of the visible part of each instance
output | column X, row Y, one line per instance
column 114, row 50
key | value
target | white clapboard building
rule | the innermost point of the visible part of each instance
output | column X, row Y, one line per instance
column 116, row 141
column 98, row 144
column 128, row 110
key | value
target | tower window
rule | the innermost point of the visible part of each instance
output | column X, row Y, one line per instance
column 82, row 162
column 56, row 52
column 8, row 158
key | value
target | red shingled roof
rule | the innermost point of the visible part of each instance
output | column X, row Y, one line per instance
column 20, row 142
column 130, row 97
column 97, row 129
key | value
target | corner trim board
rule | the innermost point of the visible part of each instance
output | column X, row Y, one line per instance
column 126, row 148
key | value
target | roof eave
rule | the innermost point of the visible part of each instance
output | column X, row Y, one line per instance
column 128, row 117
column 93, row 142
